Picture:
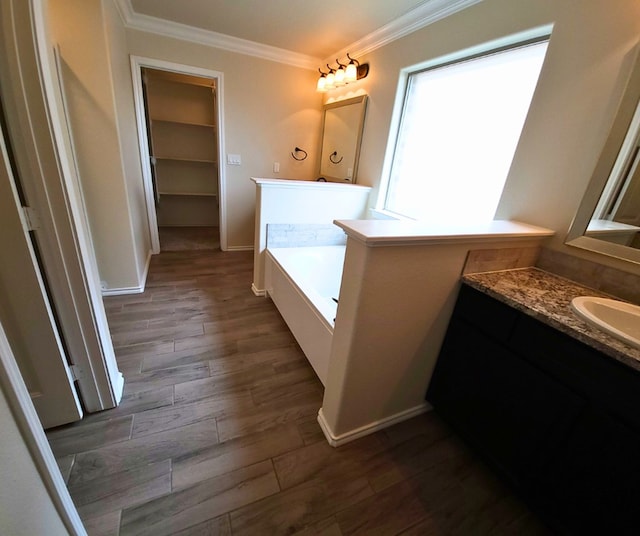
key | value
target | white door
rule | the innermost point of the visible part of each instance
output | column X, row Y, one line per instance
column 26, row 313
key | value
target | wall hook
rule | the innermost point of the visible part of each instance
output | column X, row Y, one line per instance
column 298, row 150
column 334, row 160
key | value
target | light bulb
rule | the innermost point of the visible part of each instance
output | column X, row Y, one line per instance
column 330, row 83
column 340, row 77
column 351, row 74
column 322, row 84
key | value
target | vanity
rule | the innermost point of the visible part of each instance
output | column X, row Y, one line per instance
column 549, row 402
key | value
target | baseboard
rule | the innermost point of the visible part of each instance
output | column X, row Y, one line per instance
column 118, row 388
column 239, row 248
column 132, row 290
column 123, row 290
column 257, row 291
column 337, row 441
column 145, row 272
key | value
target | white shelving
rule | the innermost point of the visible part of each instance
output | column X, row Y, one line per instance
column 184, row 145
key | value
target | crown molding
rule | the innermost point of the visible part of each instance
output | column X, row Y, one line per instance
column 146, row 23
column 427, row 13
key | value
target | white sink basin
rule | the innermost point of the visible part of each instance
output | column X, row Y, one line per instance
column 619, row 319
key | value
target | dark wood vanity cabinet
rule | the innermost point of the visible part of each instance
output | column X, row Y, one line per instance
column 557, row 419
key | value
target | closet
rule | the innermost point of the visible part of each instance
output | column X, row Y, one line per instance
column 182, row 128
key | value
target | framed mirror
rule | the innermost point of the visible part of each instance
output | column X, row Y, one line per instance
column 608, row 219
column 342, row 124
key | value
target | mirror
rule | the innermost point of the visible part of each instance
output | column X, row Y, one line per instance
column 342, row 124
column 608, row 220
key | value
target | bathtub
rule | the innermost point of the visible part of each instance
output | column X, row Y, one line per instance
column 303, row 282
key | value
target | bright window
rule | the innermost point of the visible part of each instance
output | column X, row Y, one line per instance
column 458, row 133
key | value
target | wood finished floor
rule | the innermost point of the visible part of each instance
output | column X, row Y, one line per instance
column 188, row 238
column 217, row 431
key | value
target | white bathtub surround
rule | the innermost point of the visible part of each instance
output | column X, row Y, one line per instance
column 300, row 202
column 303, row 282
column 285, row 235
column 398, row 289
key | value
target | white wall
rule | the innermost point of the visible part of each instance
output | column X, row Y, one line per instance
column 106, row 171
column 25, row 505
column 270, row 108
column 570, row 113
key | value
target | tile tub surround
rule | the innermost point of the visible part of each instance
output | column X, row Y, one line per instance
column 287, row 235
column 547, row 297
column 294, row 202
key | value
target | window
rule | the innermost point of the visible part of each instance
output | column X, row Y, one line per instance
column 458, row 133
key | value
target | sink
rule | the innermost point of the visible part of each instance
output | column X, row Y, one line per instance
column 619, row 319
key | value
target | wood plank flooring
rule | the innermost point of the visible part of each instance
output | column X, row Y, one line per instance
column 188, row 238
column 217, row 431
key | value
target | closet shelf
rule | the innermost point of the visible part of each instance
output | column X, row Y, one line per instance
column 181, row 159
column 188, row 123
column 191, row 194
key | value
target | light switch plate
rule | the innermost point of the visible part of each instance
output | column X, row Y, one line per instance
column 234, row 159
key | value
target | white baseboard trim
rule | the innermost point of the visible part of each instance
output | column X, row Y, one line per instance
column 337, row 441
column 239, row 248
column 123, row 290
column 257, row 291
column 145, row 272
column 132, row 290
column 118, row 388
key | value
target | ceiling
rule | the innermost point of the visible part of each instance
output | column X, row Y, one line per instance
column 313, row 28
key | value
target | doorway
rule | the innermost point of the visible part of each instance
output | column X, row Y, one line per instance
column 180, row 127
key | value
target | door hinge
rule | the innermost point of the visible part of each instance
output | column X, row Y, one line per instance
column 76, row 372
column 30, row 219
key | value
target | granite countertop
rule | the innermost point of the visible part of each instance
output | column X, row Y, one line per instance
column 547, row 297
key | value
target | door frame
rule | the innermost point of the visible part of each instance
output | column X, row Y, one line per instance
column 34, row 439
column 44, row 157
column 43, row 358
column 137, row 63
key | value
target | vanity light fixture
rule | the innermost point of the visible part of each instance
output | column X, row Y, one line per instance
column 355, row 71
column 331, row 78
column 340, row 74
column 344, row 74
column 322, row 82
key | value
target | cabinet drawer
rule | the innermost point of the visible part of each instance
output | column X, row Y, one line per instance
column 489, row 315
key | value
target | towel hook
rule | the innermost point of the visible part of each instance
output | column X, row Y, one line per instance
column 298, row 150
column 335, row 153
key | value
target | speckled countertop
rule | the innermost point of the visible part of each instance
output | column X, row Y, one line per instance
column 547, row 297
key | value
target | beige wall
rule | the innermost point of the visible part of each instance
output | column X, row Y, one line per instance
column 570, row 113
column 127, row 133
column 269, row 109
column 77, row 26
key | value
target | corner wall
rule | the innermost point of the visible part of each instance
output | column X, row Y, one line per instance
column 128, row 134
column 101, row 128
column 570, row 114
column 269, row 109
